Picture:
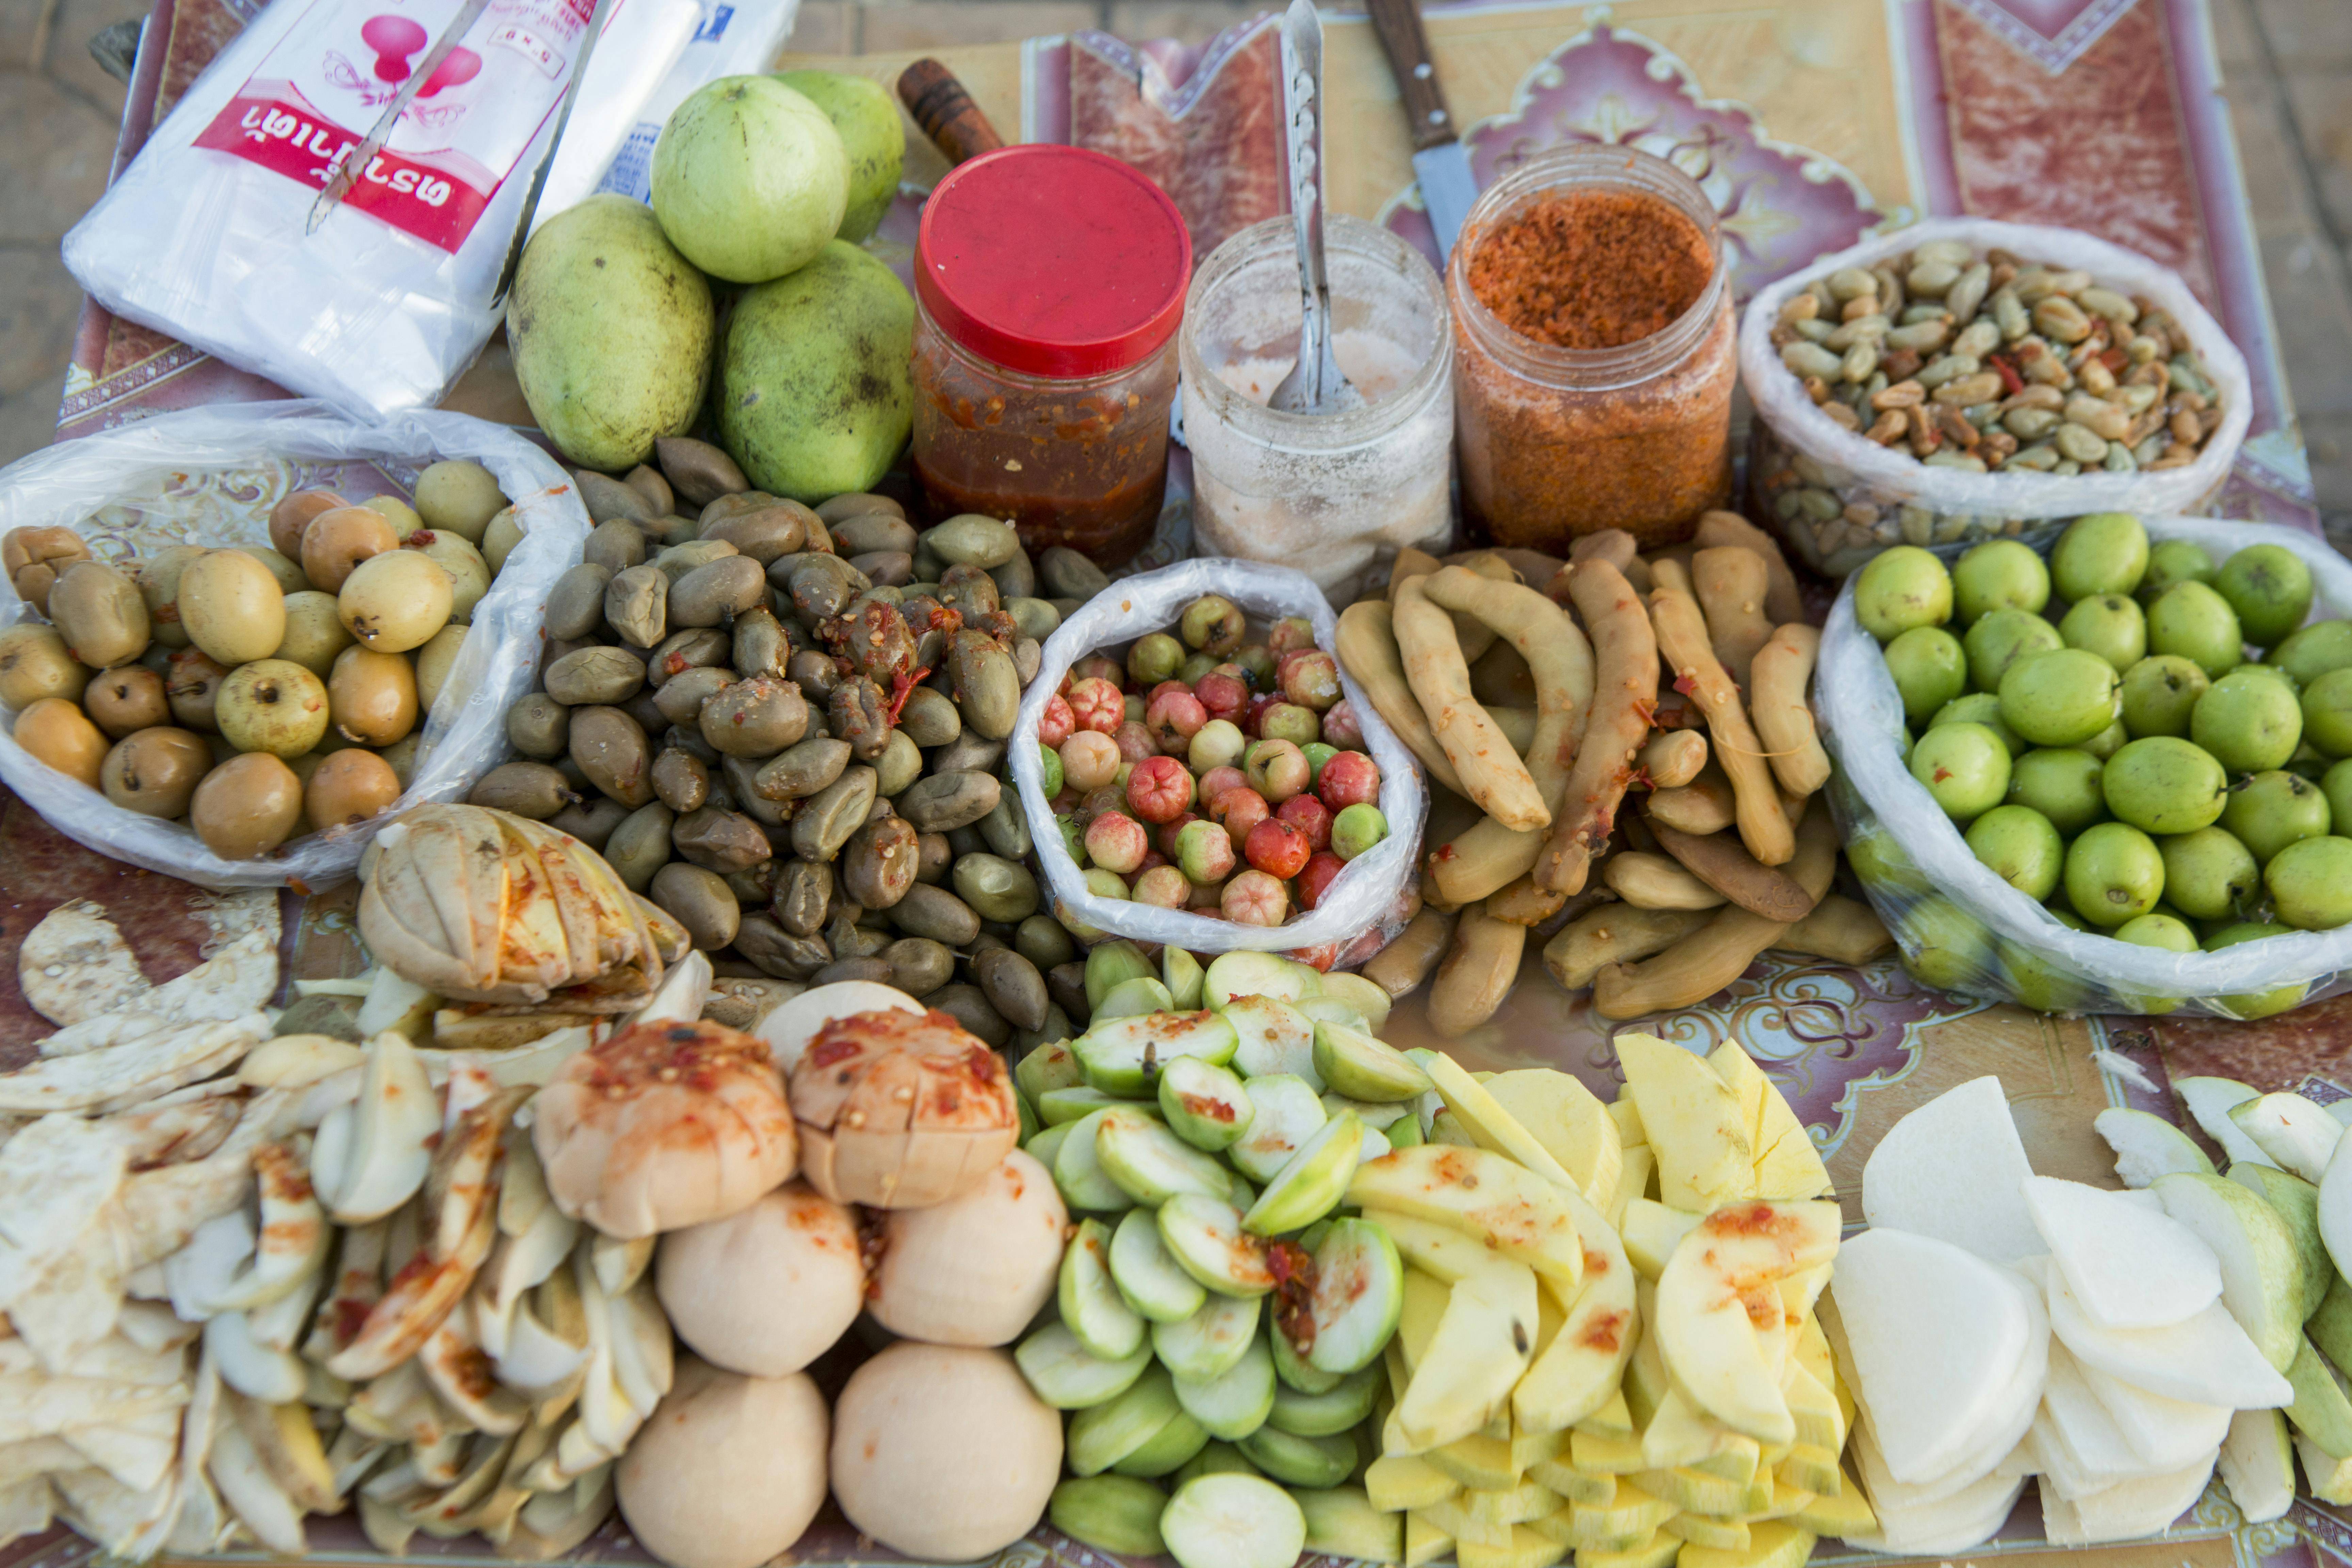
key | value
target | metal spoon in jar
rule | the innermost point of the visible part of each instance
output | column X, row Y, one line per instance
column 1315, row 385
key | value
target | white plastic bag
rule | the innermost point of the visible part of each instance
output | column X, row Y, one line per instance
column 1935, row 894
column 1906, row 502
column 204, row 235
column 1366, row 892
column 210, row 476
column 737, row 37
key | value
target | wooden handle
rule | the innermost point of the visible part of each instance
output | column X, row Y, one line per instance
column 1427, row 119
column 946, row 112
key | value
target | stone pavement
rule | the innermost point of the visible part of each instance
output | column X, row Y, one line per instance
column 2288, row 64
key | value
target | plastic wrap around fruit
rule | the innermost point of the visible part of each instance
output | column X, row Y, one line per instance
column 1966, row 929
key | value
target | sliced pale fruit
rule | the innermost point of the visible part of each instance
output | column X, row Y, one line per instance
column 1090, row 1303
column 1932, row 1335
column 1300, row 1461
column 1809, row 1467
column 1746, row 1081
column 1601, row 1455
column 2330, row 1328
column 1692, row 1120
column 1236, row 1402
column 1474, row 1108
column 1724, row 1535
column 1044, row 1146
column 2129, row 1266
column 1400, row 1481
column 1139, row 997
column 2261, row 1270
column 1651, row 1231
column 1232, row 1521
column 1844, row 1515
column 1661, row 1549
column 1633, row 1182
column 1240, row 975
column 2329, row 1477
column 1148, row 1279
column 2296, row 1201
column 1696, row 1492
column 1630, row 1510
column 1526, row 1549
column 1954, row 1522
column 1454, row 1517
column 1479, row 1462
column 1285, row 1110
column 1151, row 1164
column 1953, row 1170
column 1424, row 1542
column 1079, row 1172
column 2206, row 1358
column 1371, row 1003
column 2257, row 1464
column 2148, row 1146
column 1791, row 1166
column 1170, row 1450
column 1049, row 1067
column 1342, row 1522
column 1295, row 1372
column 2334, row 1211
column 1681, row 1437
column 1341, row 1409
column 1710, row 1339
column 1272, row 1038
column 2321, row 1412
column 1068, row 1376
column 1311, row 1183
column 2298, row 1134
column 1436, row 1249
column 1102, row 1434
column 1206, row 1104
column 1771, row 1543
column 1578, row 1372
column 1371, row 1113
column 1520, row 1214
column 1612, row 1419
column 1211, row 1340
column 1125, row 1056
column 1594, row 1490
column 1358, row 1300
column 1506, row 1506
column 1110, row 1513
column 1425, row 1298
column 1646, row 1383
column 2078, row 1440
column 1353, row 1063
column 1478, row 1351
column 2210, row 1102
column 1206, row 1239
column 1186, row 981
column 1074, row 1102
column 1570, row 1123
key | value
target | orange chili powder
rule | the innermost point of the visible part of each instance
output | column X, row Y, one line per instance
column 1592, row 269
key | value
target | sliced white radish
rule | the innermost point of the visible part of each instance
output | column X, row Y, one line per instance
column 2165, row 1433
column 2206, row 1358
column 2129, row 1266
column 2121, row 1512
column 1933, row 1335
column 2257, row 1465
column 1952, row 1170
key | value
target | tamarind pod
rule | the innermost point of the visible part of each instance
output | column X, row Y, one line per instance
column 1784, row 720
column 1367, row 648
column 1682, row 637
column 1491, row 773
column 1625, row 687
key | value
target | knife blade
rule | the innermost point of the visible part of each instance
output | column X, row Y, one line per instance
column 347, row 172
column 597, row 19
column 1441, row 165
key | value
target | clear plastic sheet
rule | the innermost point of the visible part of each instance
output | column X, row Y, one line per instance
column 1937, row 897
column 145, row 484
column 1906, row 502
column 1367, row 894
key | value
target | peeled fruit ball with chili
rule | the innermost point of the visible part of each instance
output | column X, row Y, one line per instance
column 901, row 1110
column 247, row 806
column 395, row 601
column 975, row 1270
column 719, row 1281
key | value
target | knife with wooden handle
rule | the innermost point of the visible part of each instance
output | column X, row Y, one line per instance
column 1440, row 162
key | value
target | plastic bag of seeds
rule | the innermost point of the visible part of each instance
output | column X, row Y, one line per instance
column 210, row 476
column 1839, row 496
column 1964, row 929
column 1368, row 894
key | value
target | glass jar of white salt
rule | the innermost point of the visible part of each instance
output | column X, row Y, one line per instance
column 1335, row 495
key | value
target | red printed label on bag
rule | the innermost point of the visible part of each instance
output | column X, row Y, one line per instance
column 314, row 96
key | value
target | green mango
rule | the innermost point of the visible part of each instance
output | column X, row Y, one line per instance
column 749, row 179
column 612, row 332
column 814, row 399
column 866, row 118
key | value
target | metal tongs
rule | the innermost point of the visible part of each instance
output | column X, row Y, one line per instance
column 1315, row 385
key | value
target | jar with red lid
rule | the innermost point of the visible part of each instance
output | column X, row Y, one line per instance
column 1049, row 281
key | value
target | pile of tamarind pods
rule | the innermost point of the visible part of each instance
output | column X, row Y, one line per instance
column 1675, row 684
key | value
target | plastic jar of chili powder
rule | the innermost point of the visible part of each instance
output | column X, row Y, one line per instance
column 1594, row 357
column 1049, row 282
